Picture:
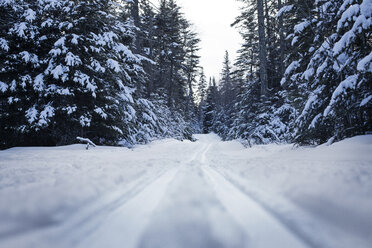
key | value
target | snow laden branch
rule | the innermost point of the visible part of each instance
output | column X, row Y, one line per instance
column 88, row 141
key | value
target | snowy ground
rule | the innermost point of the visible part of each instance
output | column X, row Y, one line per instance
column 173, row 194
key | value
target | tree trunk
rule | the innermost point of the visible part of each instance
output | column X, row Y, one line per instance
column 170, row 87
column 136, row 19
column 282, row 40
column 262, row 46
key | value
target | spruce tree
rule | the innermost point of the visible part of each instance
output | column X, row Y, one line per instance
column 82, row 83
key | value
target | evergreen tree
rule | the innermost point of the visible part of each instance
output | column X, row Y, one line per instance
column 328, row 68
column 202, row 93
column 209, row 109
column 83, row 81
column 190, row 67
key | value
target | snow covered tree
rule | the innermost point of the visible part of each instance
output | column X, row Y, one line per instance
column 190, row 66
column 79, row 80
column 209, row 108
column 169, row 52
column 226, row 98
column 327, row 67
column 201, row 95
column 350, row 103
column 176, row 60
column 19, row 65
column 226, row 83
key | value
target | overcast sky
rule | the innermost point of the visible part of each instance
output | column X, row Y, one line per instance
column 212, row 19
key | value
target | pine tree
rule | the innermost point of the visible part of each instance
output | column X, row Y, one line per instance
column 209, row 109
column 350, row 103
column 83, row 81
column 202, row 93
column 169, row 52
column 328, row 68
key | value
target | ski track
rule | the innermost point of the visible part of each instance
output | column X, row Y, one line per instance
column 227, row 209
column 191, row 205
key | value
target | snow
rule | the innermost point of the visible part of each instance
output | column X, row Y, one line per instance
column 31, row 115
column 47, row 23
column 84, row 80
column 101, row 113
column 30, row 15
column 55, row 52
column 72, row 60
column 349, row 83
column 58, row 71
column 294, row 40
column 308, row 74
column 183, row 194
column 4, row 44
column 326, row 187
column 39, row 82
column 361, row 17
column 60, row 42
column 3, row 87
column 113, row 64
column 28, row 57
column 293, row 66
column 45, row 115
column 315, row 120
column 85, row 121
column 366, row 100
column 69, row 109
column 301, row 27
column 74, row 39
column 366, row 8
column 13, row 86
column 365, row 64
column 97, row 66
column 85, row 140
column 127, row 93
column 284, row 9
column 20, row 29
column 347, row 16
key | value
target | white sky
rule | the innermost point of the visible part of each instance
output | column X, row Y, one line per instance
column 212, row 19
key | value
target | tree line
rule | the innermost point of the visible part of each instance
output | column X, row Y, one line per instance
column 117, row 72
column 303, row 74
column 127, row 72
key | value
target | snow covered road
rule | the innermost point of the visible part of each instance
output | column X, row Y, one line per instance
column 182, row 194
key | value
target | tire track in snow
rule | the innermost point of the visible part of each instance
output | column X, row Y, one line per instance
column 293, row 218
column 217, row 212
column 190, row 215
column 125, row 225
column 86, row 221
column 262, row 228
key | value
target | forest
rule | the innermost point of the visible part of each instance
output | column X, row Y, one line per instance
column 128, row 72
column 113, row 133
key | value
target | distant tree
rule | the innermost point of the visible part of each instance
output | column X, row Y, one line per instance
column 202, row 93
column 209, row 109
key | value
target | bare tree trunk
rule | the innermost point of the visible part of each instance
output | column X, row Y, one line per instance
column 170, row 87
column 268, row 45
column 262, row 46
column 282, row 41
column 190, row 96
column 136, row 19
column 151, row 87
